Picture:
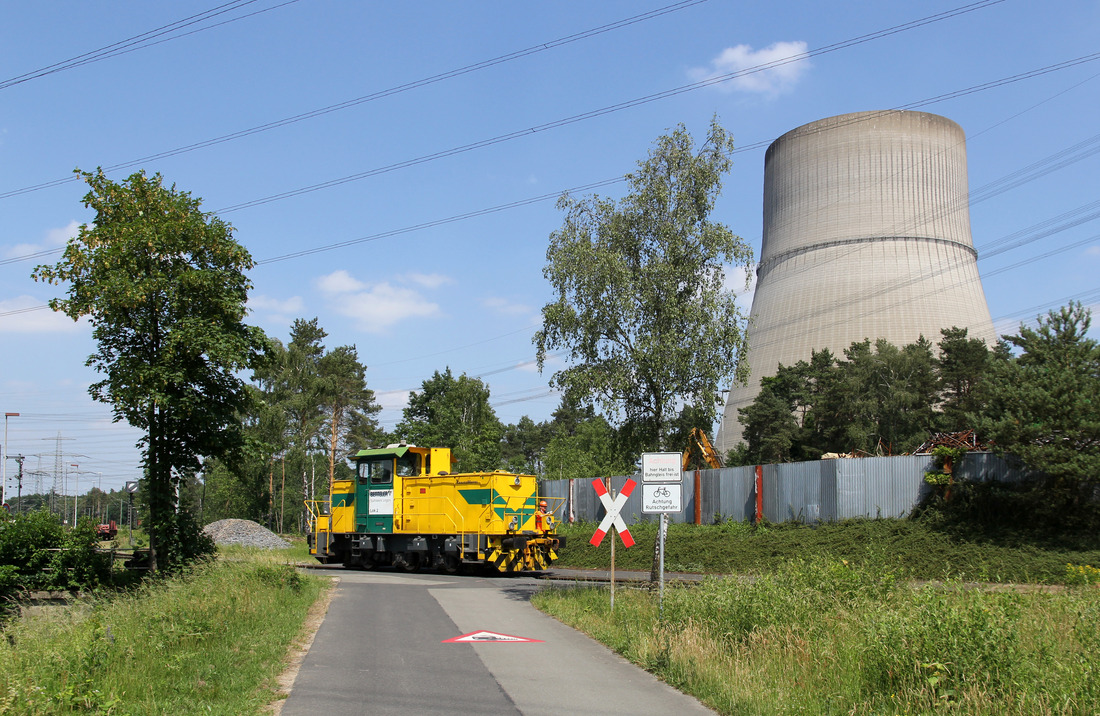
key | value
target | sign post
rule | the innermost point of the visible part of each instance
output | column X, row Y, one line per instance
column 612, row 505
column 662, row 493
column 131, row 488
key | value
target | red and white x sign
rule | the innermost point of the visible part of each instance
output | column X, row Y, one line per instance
column 613, row 517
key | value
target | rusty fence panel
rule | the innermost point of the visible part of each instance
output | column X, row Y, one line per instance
column 822, row 490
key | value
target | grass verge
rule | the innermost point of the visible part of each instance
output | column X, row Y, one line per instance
column 825, row 637
column 212, row 641
column 924, row 549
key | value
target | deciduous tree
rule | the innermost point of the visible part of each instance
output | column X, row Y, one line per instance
column 524, row 445
column 641, row 303
column 455, row 413
column 164, row 287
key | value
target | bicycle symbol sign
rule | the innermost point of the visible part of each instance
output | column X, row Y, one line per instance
column 662, row 498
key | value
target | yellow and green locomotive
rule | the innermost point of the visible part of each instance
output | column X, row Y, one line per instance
column 405, row 508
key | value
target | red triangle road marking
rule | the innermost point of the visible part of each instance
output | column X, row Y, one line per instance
column 475, row 637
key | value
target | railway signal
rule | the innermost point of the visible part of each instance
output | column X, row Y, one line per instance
column 613, row 518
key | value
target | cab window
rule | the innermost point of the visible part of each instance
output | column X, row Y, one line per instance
column 408, row 465
column 376, row 472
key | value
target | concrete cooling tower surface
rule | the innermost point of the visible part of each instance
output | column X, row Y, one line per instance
column 866, row 235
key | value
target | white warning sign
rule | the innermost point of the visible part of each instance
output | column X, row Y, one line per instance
column 658, row 498
column 661, row 467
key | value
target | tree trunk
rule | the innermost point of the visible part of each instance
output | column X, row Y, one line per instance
column 152, row 476
column 332, row 447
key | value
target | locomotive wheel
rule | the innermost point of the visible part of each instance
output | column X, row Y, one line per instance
column 451, row 564
column 411, row 562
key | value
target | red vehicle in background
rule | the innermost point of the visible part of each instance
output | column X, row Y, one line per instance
column 107, row 531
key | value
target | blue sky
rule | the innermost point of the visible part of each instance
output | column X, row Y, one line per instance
column 413, row 289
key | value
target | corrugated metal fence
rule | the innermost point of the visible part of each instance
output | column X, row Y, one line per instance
column 824, row 490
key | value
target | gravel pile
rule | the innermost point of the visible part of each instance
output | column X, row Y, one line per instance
column 244, row 532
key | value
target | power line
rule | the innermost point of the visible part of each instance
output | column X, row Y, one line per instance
column 1075, row 217
column 17, row 311
column 1082, row 149
column 610, row 109
column 142, row 41
column 397, row 89
column 439, row 222
column 1058, row 160
column 1045, row 166
column 1091, row 295
column 760, row 336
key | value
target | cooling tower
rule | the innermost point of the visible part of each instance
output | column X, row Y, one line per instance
column 866, row 235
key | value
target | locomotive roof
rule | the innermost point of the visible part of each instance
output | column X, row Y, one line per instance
column 385, row 452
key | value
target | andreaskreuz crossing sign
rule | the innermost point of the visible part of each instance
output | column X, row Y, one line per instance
column 612, row 518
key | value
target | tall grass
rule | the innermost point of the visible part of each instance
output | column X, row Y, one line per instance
column 210, row 641
column 822, row 637
column 926, row 549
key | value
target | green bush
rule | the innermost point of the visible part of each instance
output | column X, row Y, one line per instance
column 36, row 552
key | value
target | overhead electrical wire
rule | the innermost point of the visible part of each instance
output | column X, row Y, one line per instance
column 1090, row 295
column 1045, row 166
column 1070, row 219
column 1038, row 257
column 745, row 148
column 761, row 336
column 380, row 94
column 609, row 109
column 1058, row 160
column 502, row 207
column 439, row 222
column 1037, row 232
column 140, row 42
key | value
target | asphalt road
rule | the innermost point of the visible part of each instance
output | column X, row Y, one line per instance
column 382, row 649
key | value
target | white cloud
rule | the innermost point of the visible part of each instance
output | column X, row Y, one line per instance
column 60, row 237
column 433, row 280
column 378, row 307
column 1092, row 251
column 53, row 239
column 393, row 399
column 505, row 307
column 553, row 363
column 27, row 314
column 769, row 80
column 281, row 312
column 294, row 304
column 339, row 282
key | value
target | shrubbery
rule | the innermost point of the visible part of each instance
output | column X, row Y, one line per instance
column 37, row 553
